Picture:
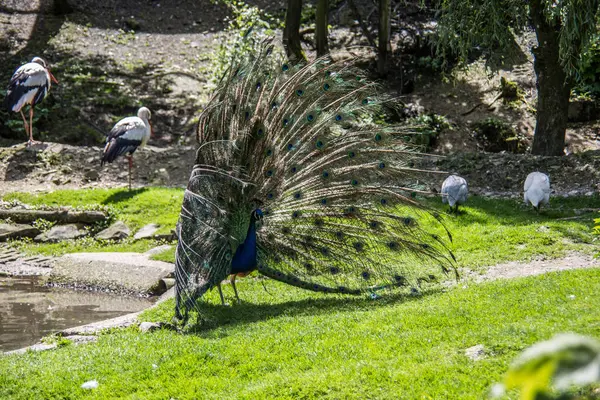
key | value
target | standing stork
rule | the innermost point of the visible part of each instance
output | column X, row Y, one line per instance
column 29, row 84
column 126, row 136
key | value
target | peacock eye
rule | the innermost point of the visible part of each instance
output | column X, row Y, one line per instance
column 351, row 154
column 269, row 173
column 365, row 101
column 407, row 221
column 247, row 114
column 393, row 245
column 294, row 169
column 269, row 196
column 381, row 165
column 365, row 275
column 383, row 202
column 326, row 87
column 297, row 195
column 285, row 67
column 354, row 182
column 378, row 137
column 338, row 117
column 325, row 174
column 269, row 152
column 260, row 131
column 310, row 118
column 320, row 144
column 258, row 85
column 334, row 270
column 324, row 202
column 299, row 92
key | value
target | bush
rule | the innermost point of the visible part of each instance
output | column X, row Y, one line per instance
column 494, row 135
column 428, row 128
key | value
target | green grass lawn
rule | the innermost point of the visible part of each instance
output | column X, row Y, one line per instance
column 486, row 232
column 292, row 344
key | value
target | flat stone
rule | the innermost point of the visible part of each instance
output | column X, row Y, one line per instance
column 116, row 231
column 35, row 347
column 146, row 231
column 149, row 326
column 158, row 250
column 61, row 232
column 9, row 231
column 122, row 271
column 80, row 339
column 475, row 353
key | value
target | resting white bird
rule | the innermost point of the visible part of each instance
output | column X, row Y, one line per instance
column 454, row 191
column 126, row 137
column 537, row 189
column 29, row 84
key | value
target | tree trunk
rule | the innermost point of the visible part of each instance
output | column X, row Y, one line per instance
column 553, row 85
column 321, row 27
column 384, row 36
column 291, row 32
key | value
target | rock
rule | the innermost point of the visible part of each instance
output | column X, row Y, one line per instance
column 91, row 175
column 132, row 272
column 8, row 231
column 90, row 384
column 35, row 347
column 158, row 250
column 61, row 232
column 475, row 353
column 160, row 177
column 146, row 231
column 149, row 326
column 116, row 231
column 152, row 326
column 80, row 339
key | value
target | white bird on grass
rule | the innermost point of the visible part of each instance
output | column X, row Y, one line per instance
column 537, row 189
column 29, row 84
column 126, row 137
column 454, row 191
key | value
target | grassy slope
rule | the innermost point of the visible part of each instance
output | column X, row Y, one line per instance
column 486, row 232
column 303, row 345
column 136, row 208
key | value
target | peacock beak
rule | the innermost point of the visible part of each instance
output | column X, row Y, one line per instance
column 52, row 78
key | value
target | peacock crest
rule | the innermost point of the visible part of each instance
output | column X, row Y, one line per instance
column 298, row 144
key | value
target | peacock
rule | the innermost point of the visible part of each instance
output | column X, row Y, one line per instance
column 296, row 177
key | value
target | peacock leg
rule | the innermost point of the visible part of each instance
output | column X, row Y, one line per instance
column 25, row 123
column 234, row 288
column 221, row 293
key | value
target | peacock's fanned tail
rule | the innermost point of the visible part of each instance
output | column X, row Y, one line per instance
column 336, row 188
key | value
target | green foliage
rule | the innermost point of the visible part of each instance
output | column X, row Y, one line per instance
column 247, row 27
column 588, row 77
column 564, row 361
column 42, row 224
column 511, row 92
column 427, row 129
column 490, row 26
column 495, row 135
column 291, row 344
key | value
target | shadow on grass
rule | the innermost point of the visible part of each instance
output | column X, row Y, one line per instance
column 515, row 212
column 123, row 195
column 217, row 316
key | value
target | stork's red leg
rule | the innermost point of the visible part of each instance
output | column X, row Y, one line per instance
column 130, row 159
column 25, row 123
column 31, row 125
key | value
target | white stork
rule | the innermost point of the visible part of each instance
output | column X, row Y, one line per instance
column 126, row 136
column 29, row 84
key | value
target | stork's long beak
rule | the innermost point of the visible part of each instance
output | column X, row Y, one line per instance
column 52, row 78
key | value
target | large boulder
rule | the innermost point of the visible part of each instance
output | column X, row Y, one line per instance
column 59, row 233
column 116, row 231
column 10, row 231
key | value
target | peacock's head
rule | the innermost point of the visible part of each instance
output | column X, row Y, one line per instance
column 256, row 215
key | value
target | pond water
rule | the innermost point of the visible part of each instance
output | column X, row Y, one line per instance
column 29, row 311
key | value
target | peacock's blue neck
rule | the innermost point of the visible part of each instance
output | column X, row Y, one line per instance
column 244, row 259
